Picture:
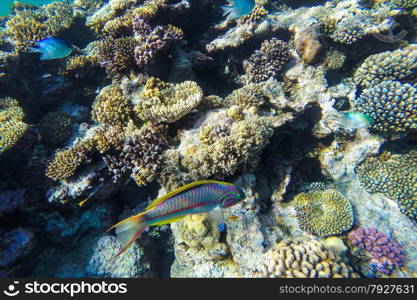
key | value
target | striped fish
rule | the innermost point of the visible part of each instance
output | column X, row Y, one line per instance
column 194, row 198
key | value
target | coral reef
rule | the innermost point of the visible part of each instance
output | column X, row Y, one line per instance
column 55, row 127
column 307, row 43
column 324, row 213
column 304, row 258
column 385, row 254
column 12, row 126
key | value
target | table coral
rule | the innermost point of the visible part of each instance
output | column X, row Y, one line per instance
column 12, row 126
column 304, row 258
column 390, row 104
column 395, row 177
column 165, row 102
column 324, row 213
column 385, row 254
column 267, row 62
column 400, row 64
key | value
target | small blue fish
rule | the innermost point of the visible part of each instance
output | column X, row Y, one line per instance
column 52, row 48
column 238, row 8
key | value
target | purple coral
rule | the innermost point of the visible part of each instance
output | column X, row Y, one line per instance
column 153, row 41
column 386, row 254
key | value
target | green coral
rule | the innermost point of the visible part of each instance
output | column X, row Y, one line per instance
column 165, row 102
column 12, row 127
column 324, row 213
column 394, row 176
column 391, row 105
column 400, row 64
column 111, row 107
column 304, row 258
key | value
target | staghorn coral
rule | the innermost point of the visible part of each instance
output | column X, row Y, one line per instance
column 153, row 41
column 165, row 102
column 324, row 213
column 12, row 127
column 390, row 104
column 385, row 254
column 395, row 177
column 400, row 64
column 111, row 107
column 66, row 162
column 267, row 62
column 304, row 258
column 55, row 127
column 116, row 55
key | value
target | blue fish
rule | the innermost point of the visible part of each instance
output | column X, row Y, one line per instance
column 238, row 8
column 52, row 48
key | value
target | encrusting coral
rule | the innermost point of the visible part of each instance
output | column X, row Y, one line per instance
column 166, row 102
column 385, row 254
column 390, row 104
column 324, row 213
column 395, row 177
column 400, row 64
column 304, row 258
column 12, row 126
column 267, row 62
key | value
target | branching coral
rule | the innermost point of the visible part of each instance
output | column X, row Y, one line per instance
column 111, row 107
column 55, row 127
column 385, row 254
column 267, row 62
column 391, row 105
column 150, row 8
column 324, row 213
column 164, row 102
column 248, row 96
column 304, row 258
column 400, row 64
column 66, row 162
column 153, row 41
column 12, row 127
column 116, row 55
column 80, row 66
column 396, row 178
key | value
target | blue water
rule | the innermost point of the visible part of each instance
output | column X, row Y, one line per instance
column 6, row 4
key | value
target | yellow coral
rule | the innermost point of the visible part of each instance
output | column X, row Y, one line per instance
column 162, row 102
column 12, row 126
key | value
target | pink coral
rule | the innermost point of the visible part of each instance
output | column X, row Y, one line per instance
column 386, row 254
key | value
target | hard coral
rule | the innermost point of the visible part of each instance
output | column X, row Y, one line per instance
column 400, row 64
column 396, row 178
column 12, row 127
column 153, row 41
column 304, row 258
column 391, row 105
column 324, row 213
column 55, row 127
column 385, row 254
column 111, row 107
column 267, row 62
column 165, row 102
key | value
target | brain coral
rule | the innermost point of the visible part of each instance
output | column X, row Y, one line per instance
column 400, row 64
column 165, row 102
column 267, row 62
column 304, row 258
column 12, row 127
column 55, row 127
column 395, row 177
column 385, row 254
column 324, row 213
column 391, row 104
column 111, row 107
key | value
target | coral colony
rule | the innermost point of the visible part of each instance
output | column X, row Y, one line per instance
column 244, row 138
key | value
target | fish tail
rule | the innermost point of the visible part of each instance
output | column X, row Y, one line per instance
column 129, row 230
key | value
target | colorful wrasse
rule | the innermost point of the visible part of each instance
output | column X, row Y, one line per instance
column 238, row 8
column 52, row 48
column 194, row 198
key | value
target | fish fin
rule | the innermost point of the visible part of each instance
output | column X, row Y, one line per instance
column 216, row 216
column 165, row 197
column 169, row 221
column 129, row 230
column 34, row 50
